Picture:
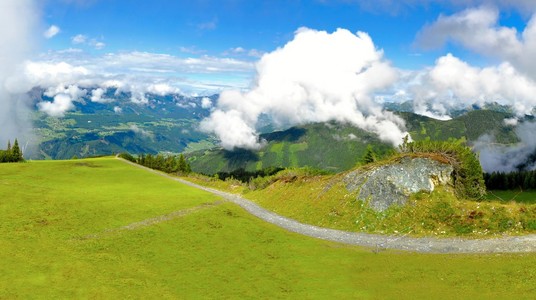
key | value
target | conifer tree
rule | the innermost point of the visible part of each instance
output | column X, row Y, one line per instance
column 16, row 153
column 370, row 155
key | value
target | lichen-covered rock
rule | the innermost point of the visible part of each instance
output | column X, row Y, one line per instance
column 393, row 183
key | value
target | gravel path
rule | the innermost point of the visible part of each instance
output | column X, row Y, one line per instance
column 509, row 244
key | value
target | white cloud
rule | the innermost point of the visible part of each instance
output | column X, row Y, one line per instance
column 17, row 31
column 478, row 29
column 72, row 90
column 144, row 133
column 162, row 89
column 316, row 77
column 79, row 39
column 96, row 96
column 61, row 104
column 238, row 50
column 98, row 45
column 139, row 98
column 118, row 110
column 511, row 122
column 63, row 99
column 139, row 72
column 508, row 158
column 206, row 103
column 52, row 31
column 453, row 82
column 45, row 75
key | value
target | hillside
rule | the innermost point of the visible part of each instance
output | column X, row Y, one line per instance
column 336, row 147
column 100, row 228
column 331, row 146
column 410, row 195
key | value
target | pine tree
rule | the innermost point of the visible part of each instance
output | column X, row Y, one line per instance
column 370, row 155
column 182, row 163
column 16, row 153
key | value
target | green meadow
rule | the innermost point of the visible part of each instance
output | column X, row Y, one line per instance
column 102, row 229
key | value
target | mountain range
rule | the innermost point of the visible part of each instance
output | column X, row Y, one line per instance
column 169, row 124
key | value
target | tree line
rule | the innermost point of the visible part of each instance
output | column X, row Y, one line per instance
column 242, row 175
column 511, row 181
column 12, row 153
column 164, row 163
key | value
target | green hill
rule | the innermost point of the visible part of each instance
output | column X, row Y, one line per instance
column 336, row 147
column 328, row 146
column 470, row 125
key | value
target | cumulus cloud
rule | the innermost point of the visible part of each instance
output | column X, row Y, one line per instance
column 51, row 32
column 478, row 29
column 316, row 77
column 19, row 20
column 452, row 82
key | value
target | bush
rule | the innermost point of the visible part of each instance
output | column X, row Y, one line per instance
column 467, row 175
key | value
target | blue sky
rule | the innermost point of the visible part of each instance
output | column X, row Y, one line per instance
column 215, row 28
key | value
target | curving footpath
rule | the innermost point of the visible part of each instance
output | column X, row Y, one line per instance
column 510, row 244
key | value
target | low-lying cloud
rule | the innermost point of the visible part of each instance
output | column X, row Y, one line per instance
column 316, row 77
column 508, row 158
column 19, row 20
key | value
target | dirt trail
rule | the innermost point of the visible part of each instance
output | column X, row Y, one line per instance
column 508, row 244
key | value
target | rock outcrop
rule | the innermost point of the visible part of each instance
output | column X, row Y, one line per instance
column 393, row 183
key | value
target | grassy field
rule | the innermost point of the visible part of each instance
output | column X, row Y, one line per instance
column 61, row 236
column 519, row 196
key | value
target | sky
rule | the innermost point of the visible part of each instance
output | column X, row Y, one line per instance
column 226, row 37
column 293, row 61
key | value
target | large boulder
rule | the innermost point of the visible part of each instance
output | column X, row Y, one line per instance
column 393, row 183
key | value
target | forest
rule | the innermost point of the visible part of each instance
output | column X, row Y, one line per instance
column 524, row 180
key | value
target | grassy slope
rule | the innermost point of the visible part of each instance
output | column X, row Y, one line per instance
column 324, row 201
column 217, row 252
